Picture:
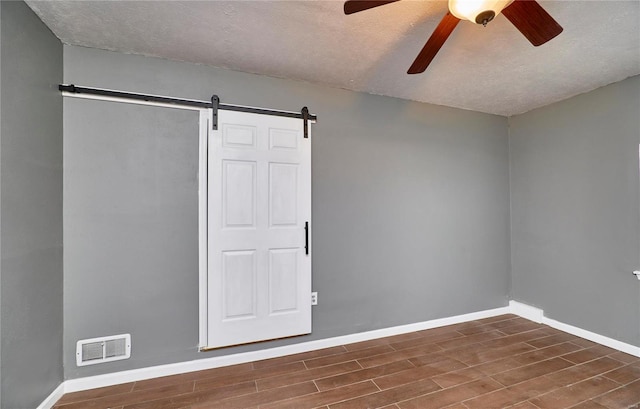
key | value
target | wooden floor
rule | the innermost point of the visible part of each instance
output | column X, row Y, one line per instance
column 497, row 362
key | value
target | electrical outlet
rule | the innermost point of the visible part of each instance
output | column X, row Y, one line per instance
column 314, row 298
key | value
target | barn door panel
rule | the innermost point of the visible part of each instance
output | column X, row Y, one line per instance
column 259, row 205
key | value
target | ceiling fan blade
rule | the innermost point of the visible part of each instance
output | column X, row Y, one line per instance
column 433, row 45
column 532, row 21
column 354, row 6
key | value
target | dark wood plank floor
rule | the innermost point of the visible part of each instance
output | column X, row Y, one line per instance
column 497, row 362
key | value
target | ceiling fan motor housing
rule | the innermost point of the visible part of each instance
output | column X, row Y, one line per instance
column 485, row 17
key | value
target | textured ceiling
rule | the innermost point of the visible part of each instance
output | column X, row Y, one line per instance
column 490, row 69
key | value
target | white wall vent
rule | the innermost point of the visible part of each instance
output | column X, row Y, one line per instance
column 106, row 349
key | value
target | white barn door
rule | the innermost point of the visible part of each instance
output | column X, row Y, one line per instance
column 259, row 202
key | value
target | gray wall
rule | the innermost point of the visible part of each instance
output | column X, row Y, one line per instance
column 0, row 211
column 575, row 220
column 410, row 207
column 131, row 223
column 30, row 208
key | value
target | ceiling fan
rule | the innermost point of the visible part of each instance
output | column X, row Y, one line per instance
column 526, row 15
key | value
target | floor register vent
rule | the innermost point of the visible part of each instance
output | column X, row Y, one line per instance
column 106, row 349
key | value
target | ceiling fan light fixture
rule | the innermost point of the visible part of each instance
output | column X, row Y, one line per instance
column 477, row 11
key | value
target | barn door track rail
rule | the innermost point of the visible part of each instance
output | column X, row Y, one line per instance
column 214, row 104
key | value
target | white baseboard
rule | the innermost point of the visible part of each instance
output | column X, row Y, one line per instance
column 52, row 398
column 592, row 336
column 537, row 315
column 517, row 308
column 526, row 311
column 74, row 385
